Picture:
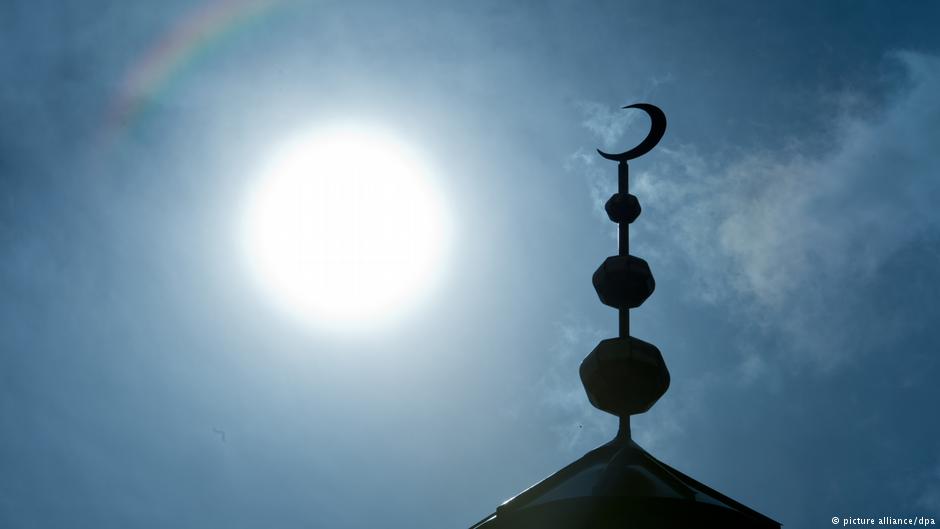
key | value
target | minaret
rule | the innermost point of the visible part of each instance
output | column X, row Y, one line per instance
column 620, row 485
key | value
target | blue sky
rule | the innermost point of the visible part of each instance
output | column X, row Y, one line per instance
column 788, row 215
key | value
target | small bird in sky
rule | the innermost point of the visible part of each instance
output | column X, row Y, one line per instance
column 221, row 433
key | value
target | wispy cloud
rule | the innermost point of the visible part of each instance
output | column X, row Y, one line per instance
column 609, row 123
column 600, row 184
column 576, row 424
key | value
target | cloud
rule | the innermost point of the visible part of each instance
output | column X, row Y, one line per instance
column 609, row 123
column 600, row 184
column 794, row 242
column 577, row 425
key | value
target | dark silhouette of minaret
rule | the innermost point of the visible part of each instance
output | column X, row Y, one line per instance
column 620, row 485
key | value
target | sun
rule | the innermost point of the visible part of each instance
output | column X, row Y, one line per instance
column 346, row 225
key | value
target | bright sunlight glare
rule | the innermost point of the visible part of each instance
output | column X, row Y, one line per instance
column 345, row 226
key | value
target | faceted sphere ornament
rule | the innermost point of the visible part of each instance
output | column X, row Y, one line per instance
column 624, row 376
column 623, row 208
column 624, row 281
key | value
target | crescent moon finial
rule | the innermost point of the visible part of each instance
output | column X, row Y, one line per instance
column 657, row 129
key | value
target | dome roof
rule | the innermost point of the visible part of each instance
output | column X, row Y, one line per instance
column 620, row 485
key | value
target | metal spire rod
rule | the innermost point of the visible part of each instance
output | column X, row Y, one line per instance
column 623, row 238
